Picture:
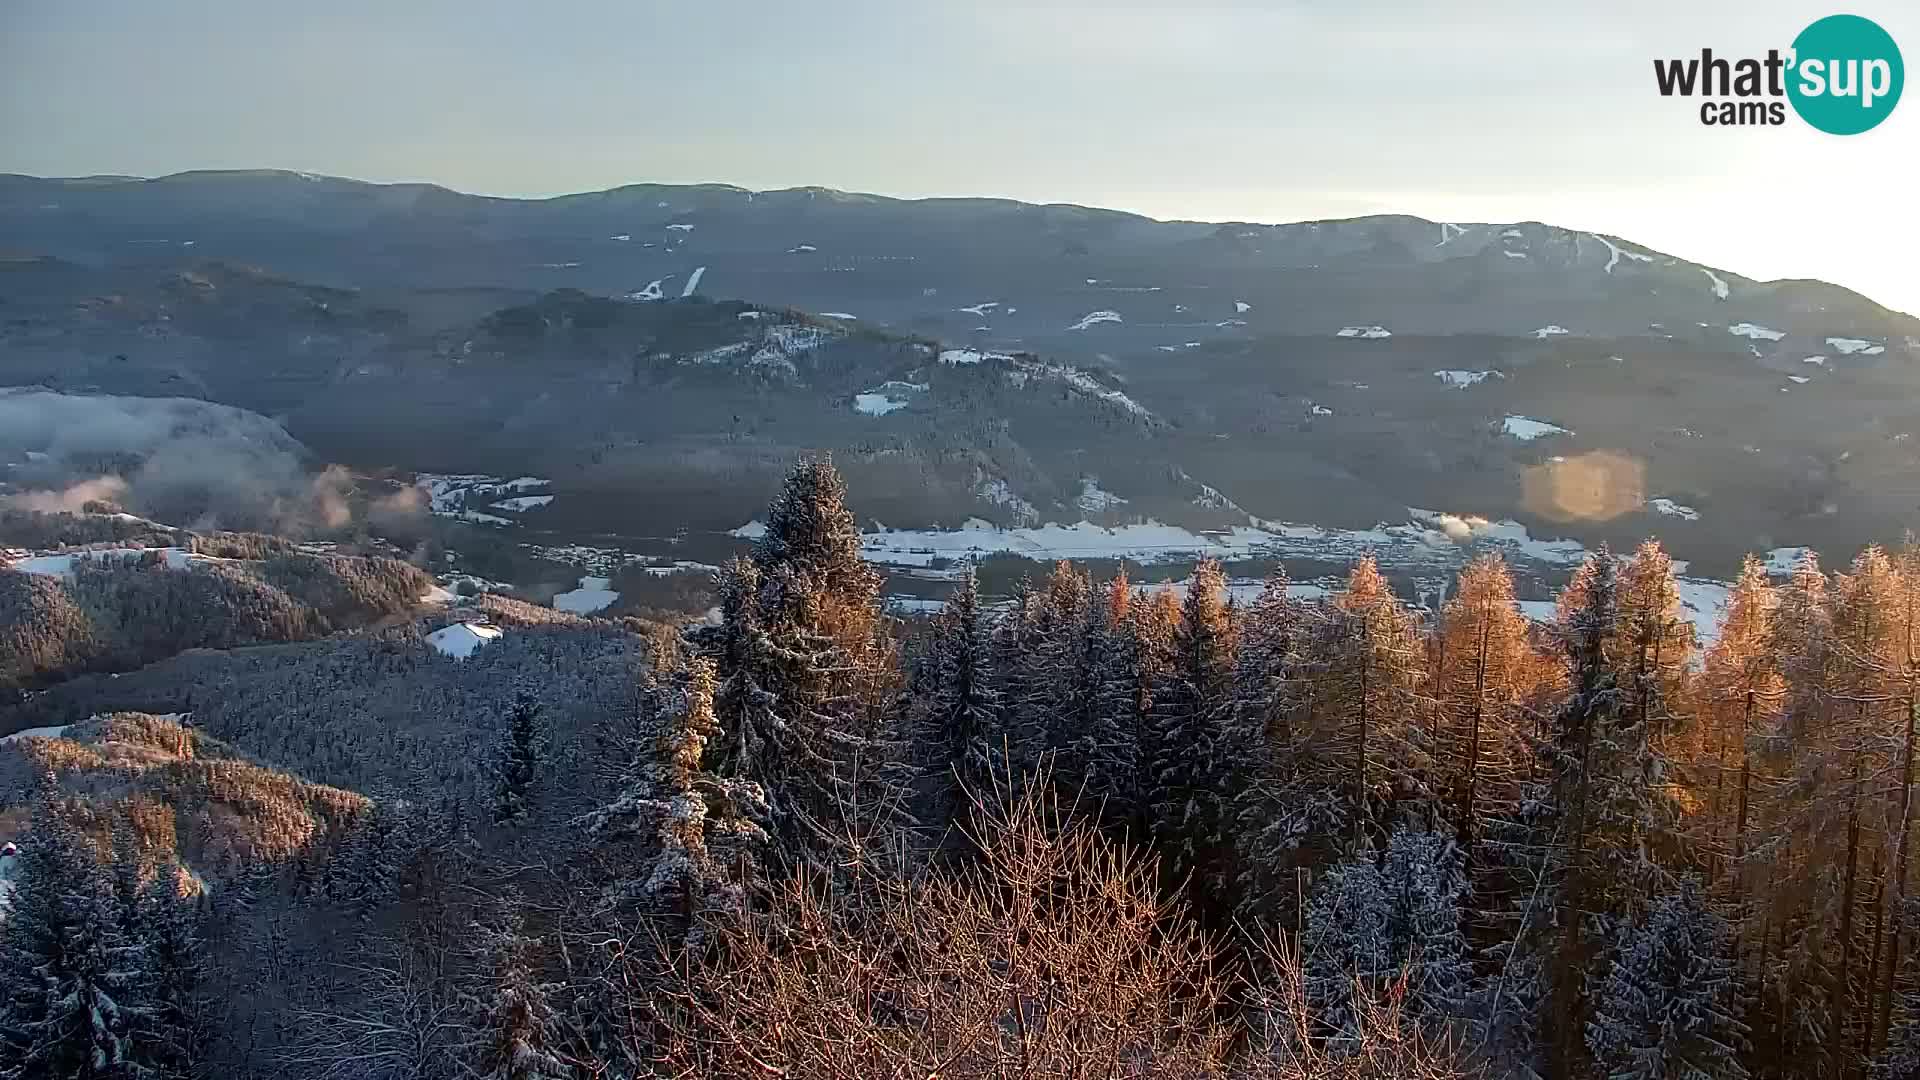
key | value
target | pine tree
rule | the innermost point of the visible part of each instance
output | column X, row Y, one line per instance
column 958, row 719
column 74, row 983
column 517, row 761
column 1665, row 1007
column 1186, row 749
column 516, row 1029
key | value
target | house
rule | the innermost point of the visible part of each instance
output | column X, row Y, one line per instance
column 461, row 638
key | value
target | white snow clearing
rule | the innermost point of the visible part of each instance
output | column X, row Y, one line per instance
column 522, row 503
column 653, row 291
column 876, row 404
column 1446, row 236
column 1798, row 379
column 1094, row 500
column 1781, row 561
column 1755, row 331
column 1460, row 380
column 592, row 595
column 461, row 639
column 981, row 310
column 1241, row 307
column 449, row 494
column 1318, row 410
column 1228, row 324
column 679, row 228
column 1363, row 332
column 1429, row 540
column 1094, row 318
column 798, row 249
column 1526, row 428
column 1551, row 331
column 1820, row 360
column 1674, row 509
column 752, row 530
column 1847, row 346
column 1514, row 254
column 969, row 356
column 36, row 733
column 61, row 564
column 1513, row 234
column 693, row 281
column 1719, row 284
column 839, row 315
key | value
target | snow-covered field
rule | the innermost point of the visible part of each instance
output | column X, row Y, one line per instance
column 1673, row 509
column 1847, row 346
column 592, row 595
column 61, row 564
column 1363, row 332
column 1527, row 428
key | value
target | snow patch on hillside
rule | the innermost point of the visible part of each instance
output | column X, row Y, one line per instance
column 1551, row 331
column 1615, row 252
column 461, row 639
column 522, row 503
column 1094, row 318
column 1674, row 509
column 1755, row 331
column 1514, row 254
column 1526, row 428
column 1719, row 284
column 1363, row 332
column 1241, row 307
column 1847, row 346
column 653, row 291
column 981, row 310
column 1000, row 493
column 693, row 281
column 62, row 564
column 1460, row 380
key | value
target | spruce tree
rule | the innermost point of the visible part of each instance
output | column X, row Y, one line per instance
column 1665, row 1006
column 1270, row 808
column 958, row 721
column 801, row 669
column 701, row 837
column 1186, row 754
column 515, row 1026
column 1110, row 747
column 75, row 985
column 517, row 761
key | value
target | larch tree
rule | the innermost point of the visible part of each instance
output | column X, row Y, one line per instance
column 1366, row 668
column 1480, row 682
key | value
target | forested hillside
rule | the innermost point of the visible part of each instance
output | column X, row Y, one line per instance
column 1099, row 831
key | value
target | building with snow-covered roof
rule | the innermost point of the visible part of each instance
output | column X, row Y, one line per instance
column 460, row 639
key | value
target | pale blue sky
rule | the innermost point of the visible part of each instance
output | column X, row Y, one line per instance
column 1264, row 112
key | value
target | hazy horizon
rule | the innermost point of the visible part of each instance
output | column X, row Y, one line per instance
column 1218, row 112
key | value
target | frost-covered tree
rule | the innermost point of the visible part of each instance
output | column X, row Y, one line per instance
column 1482, row 674
column 515, row 1026
column 1390, row 924
column 76, row 987
column 1109, row 749
column 700, row 838
column 517, row 761
column 958, row 724
column 1365, row 666
column 1664, row 1009
column 1186, row 753
column 1271, row 811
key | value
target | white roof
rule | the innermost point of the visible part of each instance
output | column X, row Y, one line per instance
column 460, row 639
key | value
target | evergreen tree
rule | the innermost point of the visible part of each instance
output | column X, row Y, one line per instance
column 1271, row 811
column 1390, row 926
column 515, row 1025
column 517, row 761
column 1110, row 747
column 176, row 1026
column 1665, row 1006
column 801, row 665
column 1186, row 753
column 75, row 985
column 701, row 836
column 958, row 720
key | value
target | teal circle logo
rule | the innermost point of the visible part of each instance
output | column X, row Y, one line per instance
column 1846, row 75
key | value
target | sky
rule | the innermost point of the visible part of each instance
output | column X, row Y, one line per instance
column 1464, row 111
